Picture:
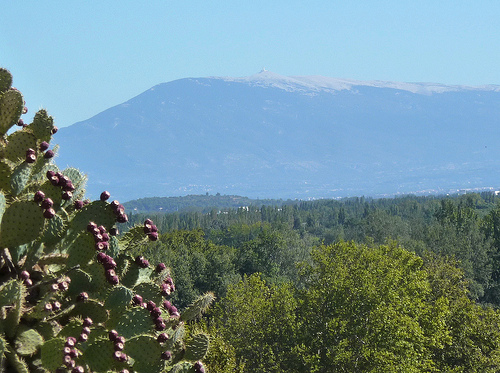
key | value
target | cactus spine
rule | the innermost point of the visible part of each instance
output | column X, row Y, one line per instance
column 72, row 299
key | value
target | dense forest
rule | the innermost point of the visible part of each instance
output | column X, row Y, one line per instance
column 399, row 284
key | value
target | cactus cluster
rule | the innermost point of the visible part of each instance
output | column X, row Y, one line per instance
column 72, row 298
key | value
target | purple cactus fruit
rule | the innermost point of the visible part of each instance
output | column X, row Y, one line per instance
column 49, row 154
column 67, row 360
column 109, row 263
column 165, row 290
column 154, row 228
column 54, row 180
column 124, row 371
column 56, row 306
column 102, row 229
column 122, row 218
column 74, row 353
column 69, row 187
column 47, row 203
column 113, row 231
column 114, row 205
column 120, row 356
column 67, row 195
column 160, row 267
column 82, row 297
column 142, row 262
column 101, row 257
column 112, row 335
column 167, row 305
column 148, row 222
column 153, row 236
column 97, row 237
column 20, row 123
column 163, row 337
column 110, row 273
column 175, row 314
column 155, row 312
column 49, row 213
column 63, row 285
column 137, row 299
column 54, row 130
column 105, row 195
column 90, row 226
column 86, row 330
column 78, row 369
column 24, row 275
column 147, row 228
column 63, row 180
column 114, row 280
column 101, row 246
column 30, row 151
column 44, row 145
column 160, row 326
column 39, row 196
column 25, row 110
column 105, row 237
column 120, row 339
column 47, row 307
column 198, row 367
column 78, row 205
column 87, row 321
column 83, row 337
column 70, row 342
column 66, row 350
column 169, row 280
column 50, row 174
column 151, row 305
column 166, row 355
column 119, row 346
column 54, row 288
column 30, row 157
column 28, row 282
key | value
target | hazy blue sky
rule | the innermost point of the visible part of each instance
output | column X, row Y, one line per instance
column 77, row 58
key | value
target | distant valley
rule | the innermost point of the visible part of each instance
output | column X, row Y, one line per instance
column 270, row 136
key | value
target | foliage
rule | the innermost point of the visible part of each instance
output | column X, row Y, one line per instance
column 72, row 298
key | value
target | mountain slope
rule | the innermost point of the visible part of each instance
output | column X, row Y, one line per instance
column 298, row 137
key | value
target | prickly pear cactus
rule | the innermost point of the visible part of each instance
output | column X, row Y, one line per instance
column 72, row 299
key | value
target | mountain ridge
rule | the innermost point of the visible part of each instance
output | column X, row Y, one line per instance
column 269, row 136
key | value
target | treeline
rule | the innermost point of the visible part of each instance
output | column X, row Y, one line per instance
column 403, row 284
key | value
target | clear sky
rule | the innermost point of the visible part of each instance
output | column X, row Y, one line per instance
column 78, row 58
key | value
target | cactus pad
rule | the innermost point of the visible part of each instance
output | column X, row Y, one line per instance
column 11, row 108
column 42, row 125
column 5, row 174
column 52, row 353
column 28, row 341
column 197, row 348
column 90, row 308
column 99, row 356
column 18, row 143
column 199, row 306
column 146, row 352
column 20, row 178
column 118, row 297
column 22, row 222
column 82, row 250
column 134, row 322
column 5, row 79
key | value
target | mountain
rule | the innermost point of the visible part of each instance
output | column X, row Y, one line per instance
column 270, row 136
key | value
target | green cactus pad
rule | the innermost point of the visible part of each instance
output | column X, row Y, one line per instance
column 42, row 125
column 18, row 143
column 99, row 356
column 9, row 292
column 99, row 283
column 197, row 347
column 80, row 281
column 52, row 353
column 134, row 238
column 48, row 329
column 3, row 348
column 71, row 329
column 114, row 248
column 178, row 334
column 5, row 175
column 11, row 108
column 52, row 192
column 133, row 322
column 28, row 341
column 146, row 352
column 82, row 250
column 199, row 306
column 91, row 308
column 15, row 313
column 22, row 222
column 118, row 297
column 136, row 275
column 20, row 178
column 5, row 79
column 55, row 229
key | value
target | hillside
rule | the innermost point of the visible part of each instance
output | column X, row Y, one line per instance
column 269, row 136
